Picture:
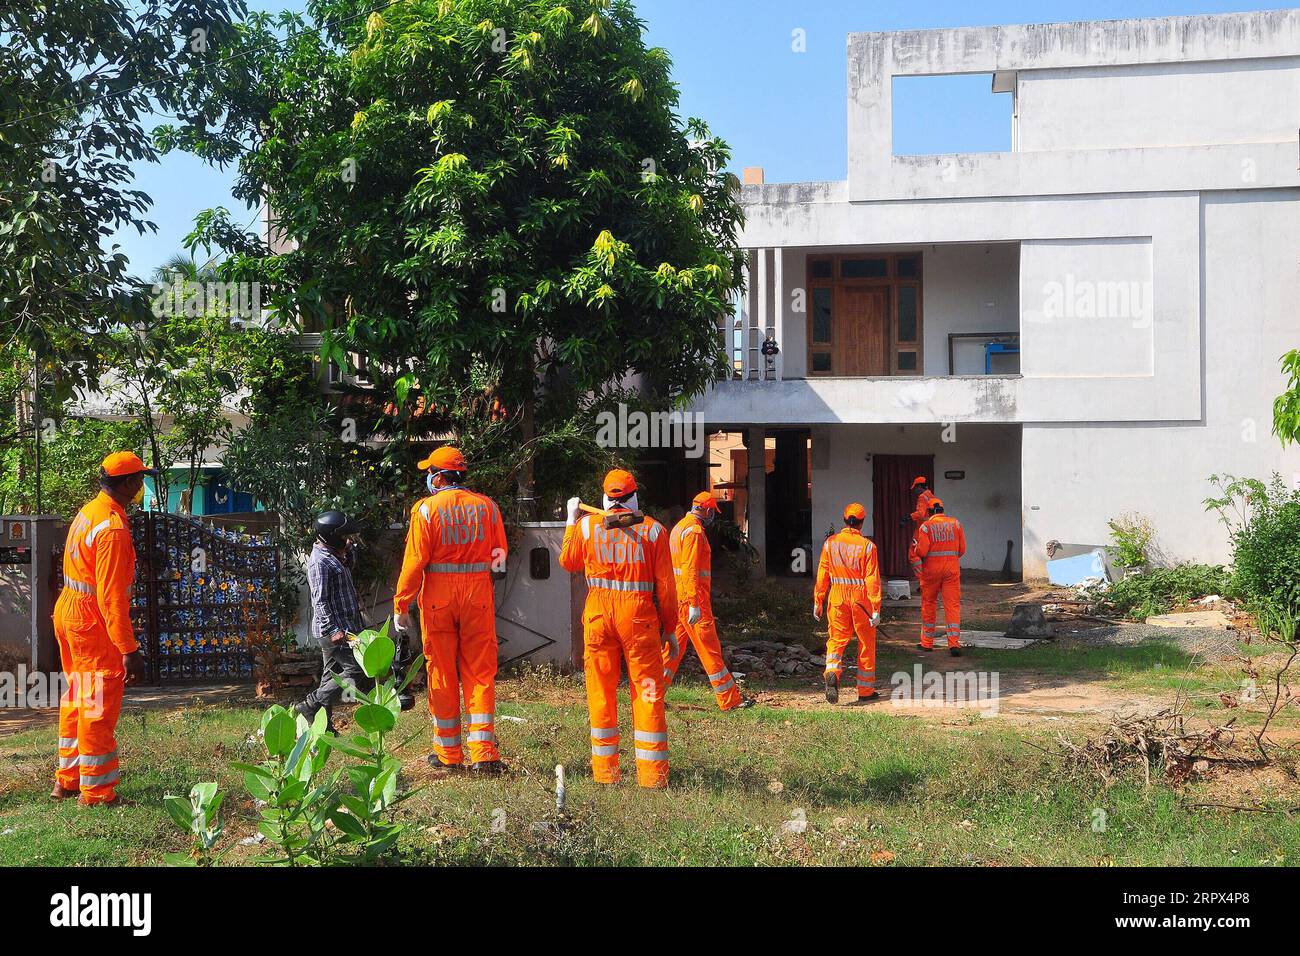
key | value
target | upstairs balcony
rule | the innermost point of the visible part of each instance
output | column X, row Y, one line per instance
column 869, row 334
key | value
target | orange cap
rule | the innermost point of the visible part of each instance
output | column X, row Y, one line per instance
column 920, row 480
column 124, row 463
column 619, row 483
column 706, row 501
column 445, row 458
column 856, row 510
column 935, row 503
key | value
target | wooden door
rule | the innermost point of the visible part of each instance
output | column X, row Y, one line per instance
column 891, row 507
column 862, row 330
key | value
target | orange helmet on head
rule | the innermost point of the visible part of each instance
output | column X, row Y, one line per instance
column 619, row 483
column 935, row 505
column 122, row 463
column 920, row 480
column 445, row 458
column 855, row 511
column 705, row 502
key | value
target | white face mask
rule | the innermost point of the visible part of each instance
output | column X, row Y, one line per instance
column 630, row 504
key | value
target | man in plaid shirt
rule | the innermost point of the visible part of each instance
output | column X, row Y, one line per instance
column 336, row 612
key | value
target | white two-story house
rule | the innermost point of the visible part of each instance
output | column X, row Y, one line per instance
column 1086, row 325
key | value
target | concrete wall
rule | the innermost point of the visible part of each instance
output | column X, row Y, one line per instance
column 1086, row 308
column 967, row 288
column 1204, row 42
column 987, row 500
column 1076, row 477
column 1159, row 105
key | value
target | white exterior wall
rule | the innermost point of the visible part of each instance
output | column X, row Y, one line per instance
column 1078, row 476
column 986, row 501
column 1158, row 105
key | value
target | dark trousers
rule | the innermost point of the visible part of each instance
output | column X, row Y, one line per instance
column 339, row 662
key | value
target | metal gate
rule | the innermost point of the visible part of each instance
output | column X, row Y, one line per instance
column 204, row 597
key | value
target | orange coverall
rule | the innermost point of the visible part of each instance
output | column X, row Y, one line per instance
column 92, row 623
column 936, row 558
column 453, row 539
column 922, row 510
column 692, row 569
column 628, row 572
column 849, row 572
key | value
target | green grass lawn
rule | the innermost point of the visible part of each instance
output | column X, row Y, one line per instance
column 763, row 786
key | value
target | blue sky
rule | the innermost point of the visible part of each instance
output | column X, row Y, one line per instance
column 735, row 64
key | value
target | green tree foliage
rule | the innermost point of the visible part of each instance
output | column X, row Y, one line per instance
column 77, row 80
column 478, row 184
column 1286, row 407
column 71, row 451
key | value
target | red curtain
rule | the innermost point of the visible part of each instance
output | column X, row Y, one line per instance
column 891, row 501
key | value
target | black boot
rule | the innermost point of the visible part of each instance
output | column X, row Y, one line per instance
column 832, row 688
column 955, row 651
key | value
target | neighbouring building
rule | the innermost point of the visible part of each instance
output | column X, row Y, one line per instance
column 1086, row 325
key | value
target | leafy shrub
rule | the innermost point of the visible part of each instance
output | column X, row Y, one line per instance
column 1263, row 523
column 1131, row 534
column 1161, row 590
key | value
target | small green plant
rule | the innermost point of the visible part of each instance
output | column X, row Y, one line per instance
column 365, row 815
column 290, row 788
column 199, row 816
column 308, row 816
column 1131, row 534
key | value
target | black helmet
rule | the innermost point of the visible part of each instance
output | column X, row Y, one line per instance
column 333, row 527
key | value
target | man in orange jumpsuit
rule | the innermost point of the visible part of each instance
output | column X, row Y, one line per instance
column 936, row 558
column 631, row 601
column 454, row 543
column 693, row 571
column 92, row 623
column 921, row 504
column 849, row 573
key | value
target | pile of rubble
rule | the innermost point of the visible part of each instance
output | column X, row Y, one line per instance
column 764, row 660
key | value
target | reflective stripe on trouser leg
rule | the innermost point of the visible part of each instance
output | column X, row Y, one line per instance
column 477, row 665
column 447, row 739
column 865, row 675
column 704, row 638
column 602, row 666
column 67, row 776
column 639, row 636
column 929, row 605
column 99, row 704
column 839, row 631
column 440, row 644
column 952, row 605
